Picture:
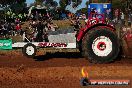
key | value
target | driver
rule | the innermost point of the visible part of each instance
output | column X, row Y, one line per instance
column 93, row 12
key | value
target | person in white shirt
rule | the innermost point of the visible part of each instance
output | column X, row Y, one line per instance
column 122, row 18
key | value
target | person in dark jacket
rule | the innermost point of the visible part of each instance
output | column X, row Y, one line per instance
column 40, row 28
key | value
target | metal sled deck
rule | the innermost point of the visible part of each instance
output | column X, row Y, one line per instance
column 45, row 44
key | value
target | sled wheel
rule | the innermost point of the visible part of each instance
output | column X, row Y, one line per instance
column 100, row 45
column 29, row 50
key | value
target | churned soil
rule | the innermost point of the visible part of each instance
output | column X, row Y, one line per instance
column 57, row 70
column 60, row 69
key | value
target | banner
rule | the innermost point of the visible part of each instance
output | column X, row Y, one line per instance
column 5, row 44
column 101, row 8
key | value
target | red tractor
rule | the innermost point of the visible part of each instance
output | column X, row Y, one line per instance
column 97, row 41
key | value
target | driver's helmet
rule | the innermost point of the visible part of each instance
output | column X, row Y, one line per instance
column 92, row 9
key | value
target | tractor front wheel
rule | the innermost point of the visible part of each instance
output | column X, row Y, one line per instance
column 100, row 45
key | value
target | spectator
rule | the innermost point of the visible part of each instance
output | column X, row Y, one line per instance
column 40, row 28
column 117, row 14
column 122, row 18
column 57, row 15
column 0, row 28
column 129, row 19
column 10, row 29
column 107, row 14
column 18, row 29
column 63, row 15
column 37, row 16
column 34, row 24
column 51, row 27
column 34, row 36
column 17, row 20
column 76, row 23
column 30, row 24
column 69, row 15
column 78, row 14
column 4, row 29
column 84, row 16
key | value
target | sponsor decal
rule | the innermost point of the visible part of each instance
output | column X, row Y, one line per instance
column 46, row 44
column 86, row 81
column 110, row 82
column 6, row 44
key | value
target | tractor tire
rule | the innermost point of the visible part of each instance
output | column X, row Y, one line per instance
column 29, row 50
column 100, row 45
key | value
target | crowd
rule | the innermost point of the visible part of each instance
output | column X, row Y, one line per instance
column 41, row 23
column 9, row 29
column 121, row 18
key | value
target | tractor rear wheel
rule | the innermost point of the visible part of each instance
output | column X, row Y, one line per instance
column 100, row 45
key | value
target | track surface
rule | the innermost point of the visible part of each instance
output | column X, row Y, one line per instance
column 58, row 70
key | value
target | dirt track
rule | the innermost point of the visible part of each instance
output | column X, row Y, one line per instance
column 59, row 70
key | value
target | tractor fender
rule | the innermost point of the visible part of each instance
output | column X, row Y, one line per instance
column 83, row 31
